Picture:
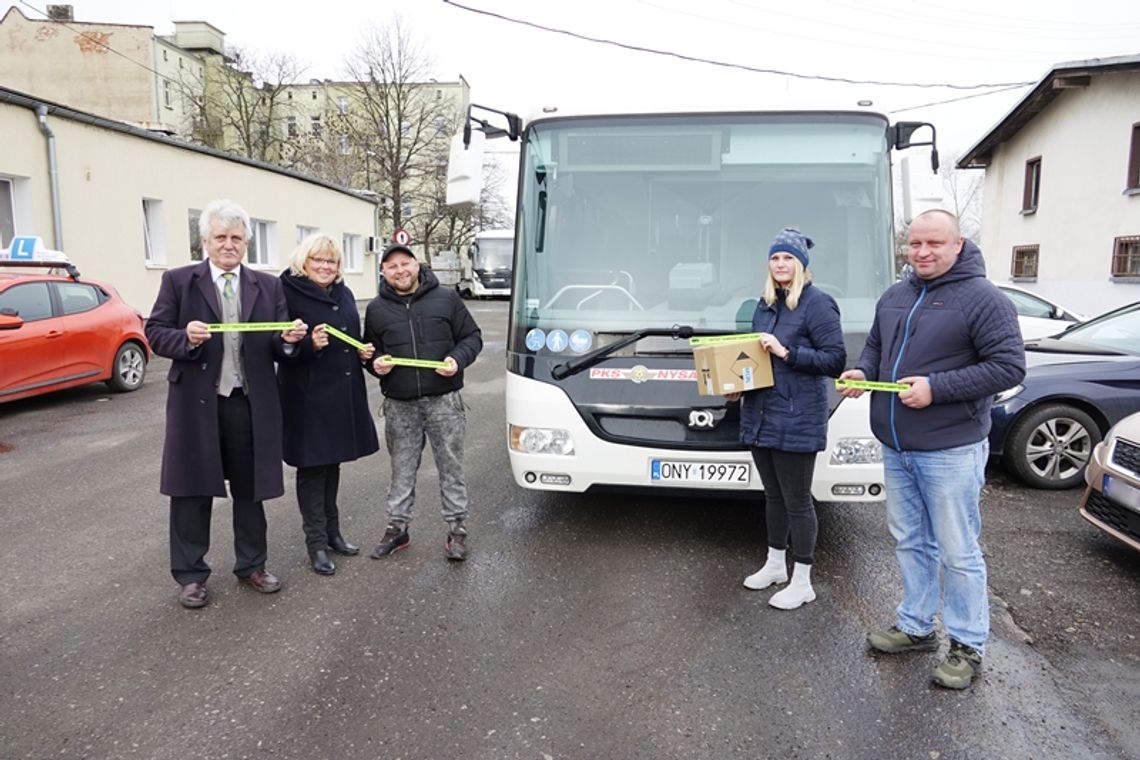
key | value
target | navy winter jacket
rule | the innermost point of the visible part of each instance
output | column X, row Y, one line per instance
column 961, row 333
column 792, row 414
column 431, row 323
column 324, row 401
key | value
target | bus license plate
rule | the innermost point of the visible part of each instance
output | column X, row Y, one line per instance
column 705, row 473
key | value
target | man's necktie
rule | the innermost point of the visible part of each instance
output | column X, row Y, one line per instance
column 228, row 288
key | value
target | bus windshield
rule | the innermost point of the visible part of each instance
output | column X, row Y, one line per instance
column 494, row 253
column 635, row 222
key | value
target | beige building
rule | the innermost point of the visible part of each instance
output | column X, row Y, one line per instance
column 1062, row 188
column 122, row 202
column 185, row 85
column 76, row 63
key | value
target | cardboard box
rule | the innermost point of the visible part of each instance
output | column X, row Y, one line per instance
column 732, row 367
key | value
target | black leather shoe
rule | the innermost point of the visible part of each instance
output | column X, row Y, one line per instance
column 340, row 546
column 322, row 565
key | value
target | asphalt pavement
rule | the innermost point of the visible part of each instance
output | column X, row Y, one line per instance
column 591, row 626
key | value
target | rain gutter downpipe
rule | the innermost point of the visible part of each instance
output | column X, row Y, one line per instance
column 53, row 177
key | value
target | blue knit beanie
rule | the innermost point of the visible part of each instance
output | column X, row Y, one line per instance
column 790, row 240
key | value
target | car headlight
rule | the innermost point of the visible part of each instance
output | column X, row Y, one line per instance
column 530, row 440
column 857, row 451
column 1008, row 393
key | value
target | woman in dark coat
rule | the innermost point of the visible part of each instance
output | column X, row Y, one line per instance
column 786, row 425
column 323, row 396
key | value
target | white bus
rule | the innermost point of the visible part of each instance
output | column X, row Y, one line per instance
column 486, row 269
column 637, row 231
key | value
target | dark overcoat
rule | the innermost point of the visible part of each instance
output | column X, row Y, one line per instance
column 323, row 396
column 191, row 454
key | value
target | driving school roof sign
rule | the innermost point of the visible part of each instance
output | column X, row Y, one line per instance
column 31, row 250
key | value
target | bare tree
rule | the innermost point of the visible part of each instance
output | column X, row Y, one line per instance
column 455, row 230
column 243, row 104
column 963, row 196
column 402, row 126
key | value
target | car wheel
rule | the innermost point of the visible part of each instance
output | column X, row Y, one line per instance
column 129, row 368
column 1050, row 446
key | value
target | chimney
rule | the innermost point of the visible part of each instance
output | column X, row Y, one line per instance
column 61, row 13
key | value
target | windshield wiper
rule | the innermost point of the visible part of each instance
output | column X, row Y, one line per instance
column 677, row 332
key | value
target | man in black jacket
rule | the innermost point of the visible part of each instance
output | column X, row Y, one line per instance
column 412, row 317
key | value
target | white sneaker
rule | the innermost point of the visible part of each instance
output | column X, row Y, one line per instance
column 766, row 576
column 792, row 597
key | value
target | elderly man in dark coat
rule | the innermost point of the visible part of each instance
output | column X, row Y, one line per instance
column 223, row 415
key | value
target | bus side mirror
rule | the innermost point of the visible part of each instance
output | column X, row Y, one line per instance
column 465, row 170
column 902, row 133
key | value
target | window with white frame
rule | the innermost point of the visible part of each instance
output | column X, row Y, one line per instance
column 167, row 93
column 303, row 232
column 7, row 213
column 1126, row 256
column 342, row 104
column 345, row 145
column 261, row 249
column 353, row 246
column 406, row 209
column 154, row 232
column 315, row 125
column 192, row 217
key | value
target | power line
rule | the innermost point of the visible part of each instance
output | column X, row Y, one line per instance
column 725, row 64
column 955, row 100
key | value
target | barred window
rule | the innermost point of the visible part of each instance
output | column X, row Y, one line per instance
column 1025, row 259
column 1126, row 256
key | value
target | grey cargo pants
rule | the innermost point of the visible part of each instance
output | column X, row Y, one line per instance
column 407, row 425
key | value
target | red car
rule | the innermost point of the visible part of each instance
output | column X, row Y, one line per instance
column 59, row 331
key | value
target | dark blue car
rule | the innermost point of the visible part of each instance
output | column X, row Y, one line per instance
column 1079, row 383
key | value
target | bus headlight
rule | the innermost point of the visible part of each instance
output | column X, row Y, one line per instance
column 857, row 451
column 530, row 440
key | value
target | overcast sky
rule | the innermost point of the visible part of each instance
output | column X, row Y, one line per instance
column 520, row 68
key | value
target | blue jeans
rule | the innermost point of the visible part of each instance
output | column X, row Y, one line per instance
column 933, row 513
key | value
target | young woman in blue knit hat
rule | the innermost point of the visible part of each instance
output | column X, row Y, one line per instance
column 785, row 425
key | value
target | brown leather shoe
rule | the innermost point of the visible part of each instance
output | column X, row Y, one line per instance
column 193, row 595
column 263, row 581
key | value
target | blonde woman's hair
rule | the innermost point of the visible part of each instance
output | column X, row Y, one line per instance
column 311, row 246
column 794, row 290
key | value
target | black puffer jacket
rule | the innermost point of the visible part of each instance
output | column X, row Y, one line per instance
column 432, row 323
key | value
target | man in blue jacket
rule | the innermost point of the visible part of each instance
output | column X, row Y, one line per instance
column 950, row 335
column 412, row 317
